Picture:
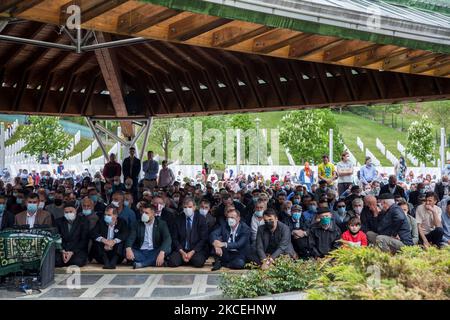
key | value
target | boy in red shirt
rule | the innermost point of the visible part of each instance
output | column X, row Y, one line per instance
column 354, row 236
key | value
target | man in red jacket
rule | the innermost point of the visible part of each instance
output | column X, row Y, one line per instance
column 112, row 169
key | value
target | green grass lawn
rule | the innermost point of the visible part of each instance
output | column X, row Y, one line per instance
column 80, row 147
column 14, row 138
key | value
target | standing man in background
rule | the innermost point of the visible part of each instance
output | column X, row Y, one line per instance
column 151, row 168
column 345, row 173
column 131, row 167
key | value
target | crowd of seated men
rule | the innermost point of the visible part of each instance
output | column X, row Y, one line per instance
column 116, row 223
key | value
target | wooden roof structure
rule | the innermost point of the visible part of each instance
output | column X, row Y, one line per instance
column 220, row 56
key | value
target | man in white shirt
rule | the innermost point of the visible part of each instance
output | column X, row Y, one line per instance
column 428, row 217
column 149, row 242
column 344, row 170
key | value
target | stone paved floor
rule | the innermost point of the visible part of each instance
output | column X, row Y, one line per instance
column 126, row 286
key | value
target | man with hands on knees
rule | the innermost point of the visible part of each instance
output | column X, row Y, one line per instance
column 149, row 242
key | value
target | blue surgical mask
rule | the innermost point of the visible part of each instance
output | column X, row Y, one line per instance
column 19, row 200
column 259, row 214
column 342, row 210
column 126, row 203
column 2, row 207
column 313, row 208
column 108, row 219
column 87, row 212
column 255, row 199
column 296, row 216
column 32, row 207
column 94, row 198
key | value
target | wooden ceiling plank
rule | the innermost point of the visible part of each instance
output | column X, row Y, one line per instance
column 405, row 58
column 6, row 5
column 21, row 87
column 45, row 91
column 442, row 70
column 298, row 83
column 312, row 45
column 90, row 9
column 319, row 73
column 230, row 36
column 68, row 91
column 143, row 17
column 347, row 49
column 374, row 55
column 89, row 92
column 16, row 7
column 429, row 64
column 276, row 39
column 193, row 26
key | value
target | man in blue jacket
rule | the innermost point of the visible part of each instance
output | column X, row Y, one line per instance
column 231, row 242
column 391, row 225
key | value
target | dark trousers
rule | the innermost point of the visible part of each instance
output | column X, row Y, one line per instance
column 110, row 257
column 253, row 256
column 232, row 259
column 197, row 260
column 146, row 257
column 434, row 237
column 342, row 187
column 301, row 246
column 78, row 259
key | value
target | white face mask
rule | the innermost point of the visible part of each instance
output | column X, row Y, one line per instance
column 70, row 216
column 41, row 205
column 115, row 203
column 358, row 210
column 203, row 212
column 160, row 207
column 189, row 212
column 145, row 218
column 231, row 222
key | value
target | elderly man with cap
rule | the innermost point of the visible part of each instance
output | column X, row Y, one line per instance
column 391, row 225
column 74, row 233
column 299, row 227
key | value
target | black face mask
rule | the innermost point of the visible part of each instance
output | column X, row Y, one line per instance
column 269, row 225
column 58, row 202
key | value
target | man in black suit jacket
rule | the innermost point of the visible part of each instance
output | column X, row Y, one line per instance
column 227, row 201
column 74, row 232
column 6, row 216
column 442, row 188
column 272, row 240
column 163, row 213
column 149, row 241
column 393, row 188
column 131, row 168
column 109, row 235
column 189, row 238
column 231, row 242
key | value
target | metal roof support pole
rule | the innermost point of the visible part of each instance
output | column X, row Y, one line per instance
column 148, row 127
column 110, row 134
column 97, row 137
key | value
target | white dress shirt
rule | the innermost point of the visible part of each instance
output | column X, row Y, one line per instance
column 148, row 238
column 31, row 220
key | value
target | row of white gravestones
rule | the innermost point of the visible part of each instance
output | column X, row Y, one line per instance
column 410, row 157
column 360, row 143
column 375, row 160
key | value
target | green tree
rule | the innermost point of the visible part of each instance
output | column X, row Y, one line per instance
column 45, row 134
column 241, row 121
column 161, row 133
column 306, row 134
column 439, row 113
column 421, row 142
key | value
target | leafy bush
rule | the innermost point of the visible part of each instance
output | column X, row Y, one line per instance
column 368, row 273
column 286, row 275
column 363, row 273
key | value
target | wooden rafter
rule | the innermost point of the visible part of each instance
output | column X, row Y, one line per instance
column 143, row 17
column 16, row 7
column 276, row 39
column 90, row 9
column 314, row 44
column 232, row 35
column 193, row 26
column 347, row 49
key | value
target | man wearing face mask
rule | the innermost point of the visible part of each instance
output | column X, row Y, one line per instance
column 367, row 173
column 341, row 216
column 56, row 209
column 272, row 240
column 231, row 243
column 117, row 185
column 74, row 233
column 99, row 205
column 391, row 225
column 189, row 238
column 109, row 235
column 324, row 235
column 149, row 242
column 163, row 213
column 17, row 204
column 125, row 213
column 256, row 220
column 442, row 189
column 33, row 215
column 357, row 207
column 393, row 188
column 108, row 192
column 299, row 231
column 414, row 195
column 205, row 210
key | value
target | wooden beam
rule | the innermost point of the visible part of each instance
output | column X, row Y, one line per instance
column 406, row 58
column 374, row 55
column 68, row 91
column 230, row 36
column 89, row 92
column 22, row 6
column 429, row 64
column 45, row 91
column 193, row 26
column 90, row 9
column 143, row 17
column 443, row 70
column 6, row 5
column 312, row 45
column 298, row 81
column 107, row 61
column 21, row 87
column 347, row 49
column 276, row 39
